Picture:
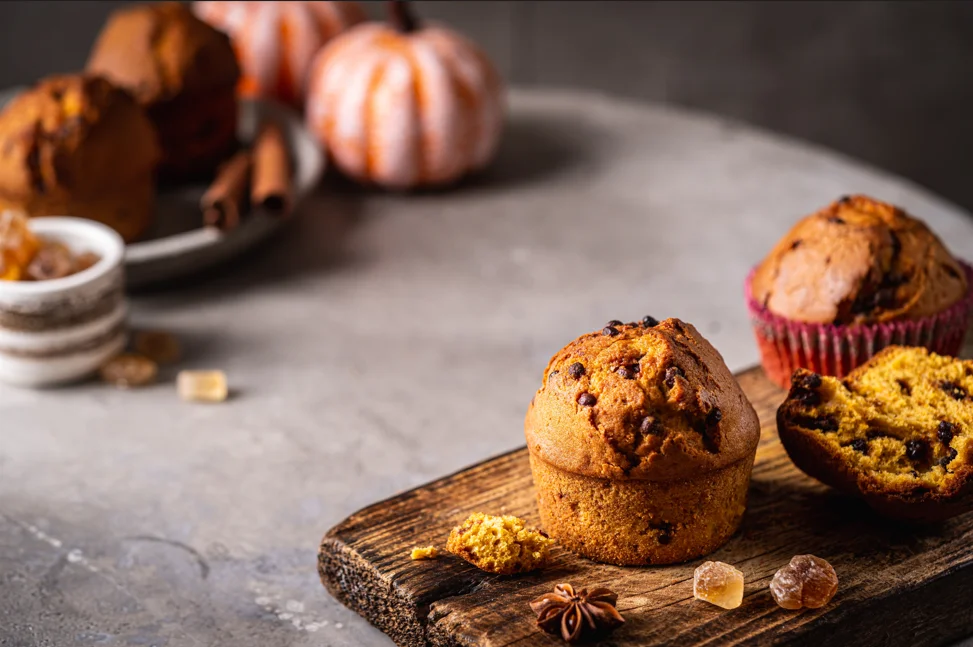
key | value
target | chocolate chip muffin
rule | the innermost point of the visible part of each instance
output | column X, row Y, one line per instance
column 76, row 145
column 851, row 279
column 641, row 444
column 859, row 260
column 183, row 72
column 898, row 432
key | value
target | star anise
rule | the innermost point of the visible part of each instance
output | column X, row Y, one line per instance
column 577, row 615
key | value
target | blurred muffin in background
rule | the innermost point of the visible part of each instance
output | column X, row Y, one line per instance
column 851, row 279
column 76, row 145
column 183, row 72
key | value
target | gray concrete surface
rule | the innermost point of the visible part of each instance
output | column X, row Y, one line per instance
column 379, row 342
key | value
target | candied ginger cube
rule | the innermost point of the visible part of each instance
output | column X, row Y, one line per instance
column 17, row 244
column 202, row 386
column 719, row 584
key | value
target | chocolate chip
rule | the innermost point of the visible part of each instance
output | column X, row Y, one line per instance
column 576, row 370
column 916, row 449
column 665, row 532
column 821, row 423
column 671, row 374
column 586, row 400
column 796, row 243
column 609, row 331
column 860, row 445
column 945, row 432
column 949, row 269
column 805, row 397
column 954, row 390
column 948, row 458
column 713, row 417
column 845, row 199
column 836, row 220
column 650, row 321
column 613, row 323
column 904, row 387
column 806, row 380
column 650, row 426
column 627, row 372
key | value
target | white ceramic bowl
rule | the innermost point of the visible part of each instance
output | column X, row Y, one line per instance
column 62, row 330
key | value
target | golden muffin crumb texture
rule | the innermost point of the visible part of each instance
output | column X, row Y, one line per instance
column 428, row 552
column 504, row 545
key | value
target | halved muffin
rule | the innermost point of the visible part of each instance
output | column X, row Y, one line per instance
column 898, row 432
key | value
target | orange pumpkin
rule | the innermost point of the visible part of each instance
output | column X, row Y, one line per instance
column 275, row 41
column 403, row 106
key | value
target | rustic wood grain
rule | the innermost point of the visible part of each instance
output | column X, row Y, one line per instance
column 899, row 584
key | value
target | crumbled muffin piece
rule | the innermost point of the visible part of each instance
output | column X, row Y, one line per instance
column 429, row 552
column 503, row 545
column 898, row 431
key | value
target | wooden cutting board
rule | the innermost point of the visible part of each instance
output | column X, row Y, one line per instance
column 899, row 585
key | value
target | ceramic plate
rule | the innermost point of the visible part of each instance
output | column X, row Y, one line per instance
column 177, row 245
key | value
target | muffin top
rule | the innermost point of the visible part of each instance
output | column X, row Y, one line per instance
column 649, row 401
column 74, row 134
column 162, row 51
column 858, row 261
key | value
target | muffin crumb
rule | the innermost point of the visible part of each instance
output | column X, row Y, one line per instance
column 428, row 552
column 499, row 544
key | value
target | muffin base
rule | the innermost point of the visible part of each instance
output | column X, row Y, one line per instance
column 638, row 522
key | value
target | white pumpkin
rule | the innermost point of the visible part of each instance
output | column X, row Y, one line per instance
column 276, row 41
column 404, row 107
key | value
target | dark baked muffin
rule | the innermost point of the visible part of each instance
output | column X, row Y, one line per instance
column 641, row 444
column 183, row 72
column 897, row 432
column 851, row 279
column 76, row 145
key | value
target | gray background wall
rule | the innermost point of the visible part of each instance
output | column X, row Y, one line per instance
column 886, row 82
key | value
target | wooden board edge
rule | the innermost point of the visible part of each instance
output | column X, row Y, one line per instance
column 355, row 583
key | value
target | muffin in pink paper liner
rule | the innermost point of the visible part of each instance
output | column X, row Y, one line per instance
column 850, row 280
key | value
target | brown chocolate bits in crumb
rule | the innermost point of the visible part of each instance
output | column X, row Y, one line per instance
column 806, row 381
column 948, row 458
column 609, row 331
column 836, row 220
column 586, row 400
column 671, row 374
column 627, row 372
column 614, row 323
column 649, row 321
column 954, row 390
column 860, row 445
column 916, row 450
column 821, row 423
column 945, row 432
column 845, row 199
column 713, row 417
column 650, row 426
column 576, row 370
column 796, row 243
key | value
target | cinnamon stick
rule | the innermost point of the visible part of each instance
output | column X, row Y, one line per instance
column 272, row 185
column 223, row 201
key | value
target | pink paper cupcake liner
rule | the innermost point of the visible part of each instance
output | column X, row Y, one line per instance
column 828, row 349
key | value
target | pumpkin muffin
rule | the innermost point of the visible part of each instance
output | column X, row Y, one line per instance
column 851, row 279
column 76, row 145
column 641, row 445
column 898, row 432
column 183, row 72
